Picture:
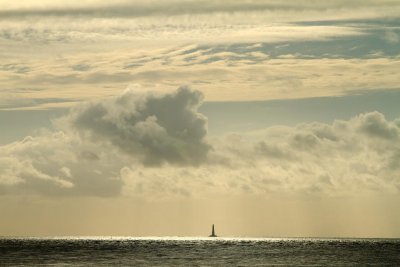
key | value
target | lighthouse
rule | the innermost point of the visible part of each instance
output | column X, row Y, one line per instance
column 213, row 232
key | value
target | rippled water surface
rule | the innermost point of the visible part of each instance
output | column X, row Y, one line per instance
column 198, row 252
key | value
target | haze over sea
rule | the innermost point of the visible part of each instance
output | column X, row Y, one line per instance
column 197, row 251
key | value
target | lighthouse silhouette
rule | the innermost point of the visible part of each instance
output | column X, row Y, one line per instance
column 213, row 232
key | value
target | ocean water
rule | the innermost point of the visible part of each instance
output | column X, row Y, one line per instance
column 112, row 251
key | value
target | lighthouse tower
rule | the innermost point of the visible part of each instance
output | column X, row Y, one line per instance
column 213, row 232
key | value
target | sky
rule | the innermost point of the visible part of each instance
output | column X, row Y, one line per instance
column 268, row 118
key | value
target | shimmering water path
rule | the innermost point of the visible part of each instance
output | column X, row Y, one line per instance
column 198, row 252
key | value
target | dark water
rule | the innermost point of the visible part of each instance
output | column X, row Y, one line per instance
column 198, row 252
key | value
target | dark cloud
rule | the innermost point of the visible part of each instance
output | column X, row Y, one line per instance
column 16, row 68
column 81, row 67
column 158, row 128
column 305, row 141
column 374, row 124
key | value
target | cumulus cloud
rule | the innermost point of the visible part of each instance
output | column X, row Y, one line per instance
column 154, row 145
column 375, row 125
column 91, row 144
column 156, row 128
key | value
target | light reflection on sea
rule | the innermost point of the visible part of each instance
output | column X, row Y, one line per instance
column 197, row 251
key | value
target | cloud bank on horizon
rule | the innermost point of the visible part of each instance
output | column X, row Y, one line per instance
column 131, row 145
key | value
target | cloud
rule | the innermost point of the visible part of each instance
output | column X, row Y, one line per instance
column 53, row 164
column 16, row 68
column 220, row 72
column 179, row 7
column 375, row 125
column 157, row 128
column 104, row 48
column 80, row 67
column 15, row 101
column 154, row 145
column 66, row 31
column 92, row 144
column 177, row 21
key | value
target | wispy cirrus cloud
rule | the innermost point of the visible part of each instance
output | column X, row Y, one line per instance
column 177, row 7
column 183, row 21
column 222, row 73
column 230, row 50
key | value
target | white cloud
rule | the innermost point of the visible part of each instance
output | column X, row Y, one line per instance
column 353, row 157
column 242, row 75
column 57, row 164
column 111, row 45
column 153, row 145
column 126, row 8
column 166, row 31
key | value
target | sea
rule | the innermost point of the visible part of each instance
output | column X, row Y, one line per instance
column 193, row 251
